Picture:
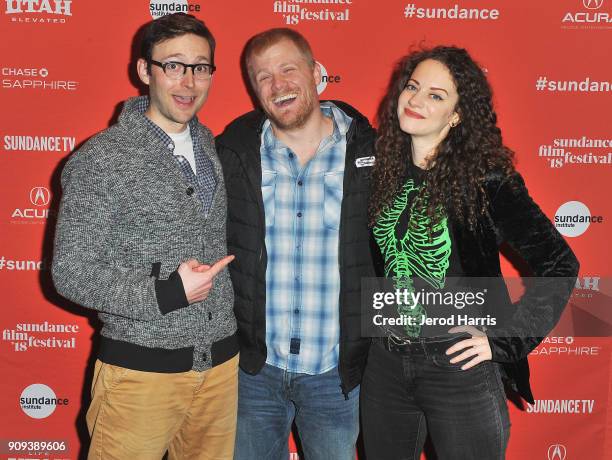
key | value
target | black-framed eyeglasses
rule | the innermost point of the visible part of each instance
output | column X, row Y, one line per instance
column 176, row 70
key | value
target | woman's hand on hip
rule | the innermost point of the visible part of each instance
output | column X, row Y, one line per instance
column 477, row 347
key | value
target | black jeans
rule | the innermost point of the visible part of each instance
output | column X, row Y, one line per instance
column 406, row 396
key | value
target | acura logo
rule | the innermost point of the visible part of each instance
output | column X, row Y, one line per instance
column 592, row 4
column 557, row 452
column 40, row 196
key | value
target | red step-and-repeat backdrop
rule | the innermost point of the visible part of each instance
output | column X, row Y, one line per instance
column 65, row 65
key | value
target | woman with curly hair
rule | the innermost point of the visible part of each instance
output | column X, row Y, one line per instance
column 445, row 197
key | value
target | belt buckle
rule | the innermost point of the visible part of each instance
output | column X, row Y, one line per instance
column 397, row 341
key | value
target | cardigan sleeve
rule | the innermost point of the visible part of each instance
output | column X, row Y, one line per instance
column 521, row 223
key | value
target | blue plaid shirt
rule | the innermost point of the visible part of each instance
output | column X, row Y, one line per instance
column 302, row 209
column 203, row 179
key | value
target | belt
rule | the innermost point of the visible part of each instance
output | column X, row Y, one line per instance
column 418, row 346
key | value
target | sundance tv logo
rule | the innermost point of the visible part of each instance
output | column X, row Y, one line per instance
column 39, row 401
column 38, row 11
column 561, row 406
column 19, row 143
column 40, row 197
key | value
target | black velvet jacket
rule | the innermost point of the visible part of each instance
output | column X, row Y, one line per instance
column 516, row 220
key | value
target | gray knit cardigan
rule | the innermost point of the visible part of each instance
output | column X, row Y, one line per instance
column 127, row 219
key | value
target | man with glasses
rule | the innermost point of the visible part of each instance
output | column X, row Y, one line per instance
column 297, row 179
column 140, row 199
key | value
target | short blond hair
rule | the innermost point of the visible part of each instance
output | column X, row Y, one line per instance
column 264, row 40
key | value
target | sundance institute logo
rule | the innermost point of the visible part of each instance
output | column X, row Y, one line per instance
column 159, row 8
column 39, row 401
column 574, row 218
column 326, row 78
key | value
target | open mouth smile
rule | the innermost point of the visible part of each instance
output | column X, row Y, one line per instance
column 184, row 100
column 284, row 100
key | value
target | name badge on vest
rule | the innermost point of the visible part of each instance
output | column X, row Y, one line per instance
column 364, row 162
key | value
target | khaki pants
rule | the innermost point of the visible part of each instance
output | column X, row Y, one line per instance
column 140, row 415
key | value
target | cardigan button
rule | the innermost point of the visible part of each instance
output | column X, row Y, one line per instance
column 190, row 191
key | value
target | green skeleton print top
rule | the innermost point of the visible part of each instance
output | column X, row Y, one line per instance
column 410, row 251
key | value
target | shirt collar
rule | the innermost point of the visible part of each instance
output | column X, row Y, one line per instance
column 141, row 104
column 341, row 121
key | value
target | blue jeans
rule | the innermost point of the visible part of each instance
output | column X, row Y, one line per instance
column 406, row 396
column 268, row 403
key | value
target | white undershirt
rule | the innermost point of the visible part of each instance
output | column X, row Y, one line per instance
column 183, row 145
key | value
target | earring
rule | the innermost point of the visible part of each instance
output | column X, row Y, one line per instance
column 453, row 124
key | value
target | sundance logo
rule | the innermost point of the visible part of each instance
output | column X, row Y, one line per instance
column 39, row 401
column 577, row 151
column 295, row 11
column 326, row 78
column 41, row 335
column 573, row 219
column 159, row 8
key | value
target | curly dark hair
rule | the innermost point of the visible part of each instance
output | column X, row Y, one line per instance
column 455, row 174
